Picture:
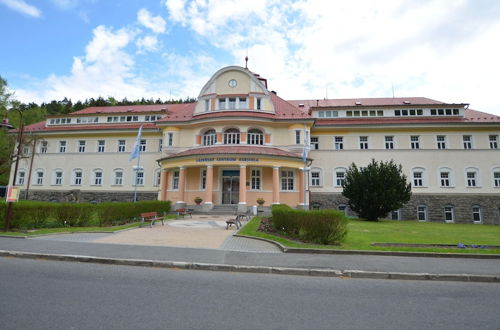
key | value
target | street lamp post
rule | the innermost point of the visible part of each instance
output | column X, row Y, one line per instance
column 8, row 213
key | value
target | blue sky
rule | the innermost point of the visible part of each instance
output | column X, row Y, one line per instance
column 307, row 49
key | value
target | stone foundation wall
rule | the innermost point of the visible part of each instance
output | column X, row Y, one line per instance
column 79, row 196
column 462, row 205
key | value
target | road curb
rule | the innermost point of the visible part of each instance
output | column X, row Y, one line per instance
column 355, row 274
column 285, row 249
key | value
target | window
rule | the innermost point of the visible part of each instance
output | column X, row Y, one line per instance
column 496, row 177
column 77, row 177
column 242, row 103
column 39, row 177
column 21, row 176
column 157, row 177
column 62, row 146
column 97, row 177
column 422, row 213
column 314, row 143
column 255, row 136
column 287, row 180
column 476, row 214
column 339, row 177
column 363, row 142
column 232, row 136
column 175, row 180
column 493, row 141
column 445, row 178
column 395, row 215
column 222, row 104
column 118, row 177
column 81, row 146
column 209, row 137
column 203, row 179
column 418, row 177
column 170, row 139
column 139, row 177
column 232, row 103
column 471, row 176
column 389, row 142
column 258, row 104
column 297, row 137
column 43, row 147
column 315, row 177
column 101, row 145
column 26, row 150
column 467, row 140
column 160, row 145
column 58, row 177
column 448, row 214
column 121, row 145
column 339, row 142
column 207, row 105
column 441, row 141
column 415, row 142
column 256, row 179
column 342, row 208
column 142, row 147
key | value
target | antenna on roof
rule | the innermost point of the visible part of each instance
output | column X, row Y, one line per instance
column 246, row 62
column 392, row 90
column 326, row 92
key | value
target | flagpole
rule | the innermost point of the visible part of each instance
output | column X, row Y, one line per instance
column 137, row 173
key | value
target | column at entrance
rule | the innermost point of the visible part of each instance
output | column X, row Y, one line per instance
column 209, row 186
column 163, row 184
column 276, row 184
column 182, row 188
column 242, row 205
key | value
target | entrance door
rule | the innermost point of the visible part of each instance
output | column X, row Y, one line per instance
column 230, row 186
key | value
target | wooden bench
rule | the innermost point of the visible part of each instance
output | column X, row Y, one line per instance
column 236, row 221
column 151, row 217
column 184, row 212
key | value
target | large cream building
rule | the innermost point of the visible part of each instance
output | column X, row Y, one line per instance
column 240, row 142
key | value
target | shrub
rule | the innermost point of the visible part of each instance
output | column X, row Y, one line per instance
column 322, row 227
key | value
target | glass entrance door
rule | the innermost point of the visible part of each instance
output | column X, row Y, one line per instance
column 230, row 187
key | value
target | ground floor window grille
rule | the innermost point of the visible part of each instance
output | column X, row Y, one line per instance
column 395, row 215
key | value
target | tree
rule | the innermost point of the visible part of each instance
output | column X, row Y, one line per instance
column 377, row 189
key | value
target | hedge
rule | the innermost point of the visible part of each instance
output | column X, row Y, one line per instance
column 32, row 214
column 322, row 226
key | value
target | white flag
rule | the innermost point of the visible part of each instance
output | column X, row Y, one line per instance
column 136, row 149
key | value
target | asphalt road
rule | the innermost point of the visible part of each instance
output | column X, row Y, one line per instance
column 37, row 294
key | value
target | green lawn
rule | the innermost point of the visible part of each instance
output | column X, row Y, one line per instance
column 362, row 233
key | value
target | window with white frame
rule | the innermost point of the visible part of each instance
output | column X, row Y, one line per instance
column 101, row 145
column 242, row 103
column 287, row 180
column 338, row 142
column 389, row 142
column 422, row 213
column 222, row 103
column 441, row 141
column 395, row 215
column 342, row 208
column 207, row 105
column 81, row 145
column 471, row 176
column 314, row 143
column 232, row 103
column 315, row 177
column 415, row 142
column 118, row 177
column 496, row 177
column 476, row 214
column 448, row 214
column 297, row 137
column 157, row 177
column 418, row 177
column 142, row 146
column 175, row 180
column 232, row 136
column 121, row 145
column 255, row 136
column 493, row 141
column 97, row 179
column 62, row 146
column 363, row 142
column 256, row 179
column 203, row 179
column 21, row 176
column 445, row 177
column 39, row 177
column 58, row 177
column 258, row 103
column 77, row 177
column 209, row 137
column 160, row 145
column 43, row 147
column 170, row 139
column 26, row 149
column 467, row 141
column 139, row 177
column 339, row 177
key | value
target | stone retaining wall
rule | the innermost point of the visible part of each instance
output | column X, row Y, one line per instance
column 87, row 196
column 462, row 206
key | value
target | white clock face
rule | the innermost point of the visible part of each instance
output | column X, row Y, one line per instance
column 232, row 83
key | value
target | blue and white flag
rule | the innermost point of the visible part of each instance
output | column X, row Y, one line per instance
column 307, row 145
column 136, row 149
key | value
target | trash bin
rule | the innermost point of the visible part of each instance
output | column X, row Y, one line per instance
column 254, row 210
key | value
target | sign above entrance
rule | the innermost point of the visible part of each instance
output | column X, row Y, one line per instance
column 226, row 159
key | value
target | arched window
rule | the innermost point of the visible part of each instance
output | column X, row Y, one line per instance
column 97, row 177
column 255, row 136
column 446, row 177
column 21, row 177
column 339, row 176
column 232, row 136
column 118, row 177
column 472, row 177
column 316, row 177
column 496, row 177
column 419, row 177
column 57, row 177
column 209, row 137
column 39, row 176
column 77, row 177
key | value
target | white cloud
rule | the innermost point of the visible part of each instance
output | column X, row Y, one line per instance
column 22, row 7
column 156, row 23
column 147, row 43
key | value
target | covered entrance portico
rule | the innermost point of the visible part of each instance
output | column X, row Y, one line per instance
column 233, row 178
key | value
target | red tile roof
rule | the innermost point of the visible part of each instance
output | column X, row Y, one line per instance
column 254, row 150
column 87, row 127
column 379, row 101
column 131, row 108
